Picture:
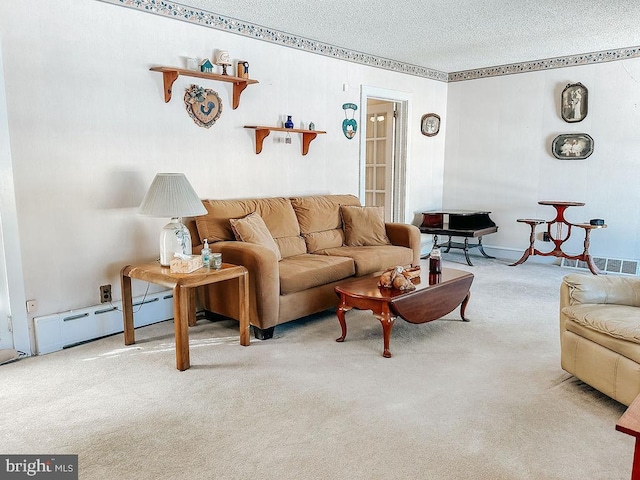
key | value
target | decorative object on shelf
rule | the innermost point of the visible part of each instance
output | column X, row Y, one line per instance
column 263, row 132
column 192, row 63
column 171, row 195
column 312, row 126
column 287, row 140
column 171, row 74
column 572, row 146
column 349, row 125
column 289, row 122
column 430, row 124
column 223, row 60
column 242, row 69
column 575, row 97
column 206, row 66
column 203, row 105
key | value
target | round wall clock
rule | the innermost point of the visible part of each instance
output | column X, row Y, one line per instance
column 203, row 105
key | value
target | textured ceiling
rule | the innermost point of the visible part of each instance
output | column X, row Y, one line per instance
column 448, row 35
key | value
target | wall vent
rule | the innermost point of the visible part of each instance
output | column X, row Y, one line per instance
column 606, row 265
column 66, row 329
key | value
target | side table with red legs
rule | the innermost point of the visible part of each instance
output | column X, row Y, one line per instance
column 558, row 237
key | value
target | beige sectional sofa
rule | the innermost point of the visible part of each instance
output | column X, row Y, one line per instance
column 310, row 244
column 600, row 333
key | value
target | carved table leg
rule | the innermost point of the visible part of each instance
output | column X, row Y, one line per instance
column 342, row 308
column 466, row 251
column 482, row 249
column 386, row 319
column 531, row 249
column 586, row 255
column 463, row 307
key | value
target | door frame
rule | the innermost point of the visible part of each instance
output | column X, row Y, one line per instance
column 401, row 145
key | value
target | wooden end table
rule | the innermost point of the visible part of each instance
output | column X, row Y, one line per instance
column 629, row 423
column 184, row 308
column 433, row 298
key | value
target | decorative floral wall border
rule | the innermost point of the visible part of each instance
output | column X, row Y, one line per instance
column 219, row 22
column 177, row 11
column 549, row 63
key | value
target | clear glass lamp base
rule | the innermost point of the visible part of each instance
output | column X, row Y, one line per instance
column 174, row 238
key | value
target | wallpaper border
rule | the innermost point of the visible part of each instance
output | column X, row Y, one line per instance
column 205, row 18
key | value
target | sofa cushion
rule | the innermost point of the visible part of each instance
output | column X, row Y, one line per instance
column 373, row 259
column 215, row 226
column 252, row 229
column 317, row 241
column 277, row 213
column 320, row 221
column 363, row 226
column 290, row 246
column 305, row 271
column 619, row 321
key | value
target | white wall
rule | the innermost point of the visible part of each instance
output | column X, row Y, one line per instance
column 498, row 154
column 14, row 331
column 89, row 130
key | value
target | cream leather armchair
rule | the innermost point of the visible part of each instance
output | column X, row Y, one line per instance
column 600, row 333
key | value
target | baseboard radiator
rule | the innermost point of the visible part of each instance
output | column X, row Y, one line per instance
column 66, row 329
column 606, row 265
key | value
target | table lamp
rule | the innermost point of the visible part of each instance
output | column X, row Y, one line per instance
column 222, row 59
column 171, row 195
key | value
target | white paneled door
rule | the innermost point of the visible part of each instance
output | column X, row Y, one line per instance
column 379, row 164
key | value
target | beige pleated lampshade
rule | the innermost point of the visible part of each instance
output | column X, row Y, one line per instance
column 171, row 195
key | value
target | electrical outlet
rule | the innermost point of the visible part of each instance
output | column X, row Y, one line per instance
column 105, row 293
column 546, row 237
column 32, row 306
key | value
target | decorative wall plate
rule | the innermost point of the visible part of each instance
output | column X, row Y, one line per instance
column 203, row 105
column 572, row 146
column 430, row 124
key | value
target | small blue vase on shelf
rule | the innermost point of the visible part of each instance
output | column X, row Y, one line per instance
column 289, row 122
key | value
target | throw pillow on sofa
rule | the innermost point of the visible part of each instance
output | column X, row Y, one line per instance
column 363, row 226
column 252, row 229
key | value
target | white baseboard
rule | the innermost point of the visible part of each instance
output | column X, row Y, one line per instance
column 62, row 330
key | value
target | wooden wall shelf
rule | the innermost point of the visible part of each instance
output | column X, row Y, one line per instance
column 171, row 74
column 263, row 132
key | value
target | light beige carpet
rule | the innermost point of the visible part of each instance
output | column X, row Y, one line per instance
column 480, row 400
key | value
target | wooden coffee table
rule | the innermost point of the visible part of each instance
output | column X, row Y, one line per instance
column 434, row 297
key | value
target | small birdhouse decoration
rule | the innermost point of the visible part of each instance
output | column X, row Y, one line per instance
column 349, row 125
column 206, row 66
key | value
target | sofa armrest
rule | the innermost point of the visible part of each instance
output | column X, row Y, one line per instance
column 264, row 279
column 405, row 235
